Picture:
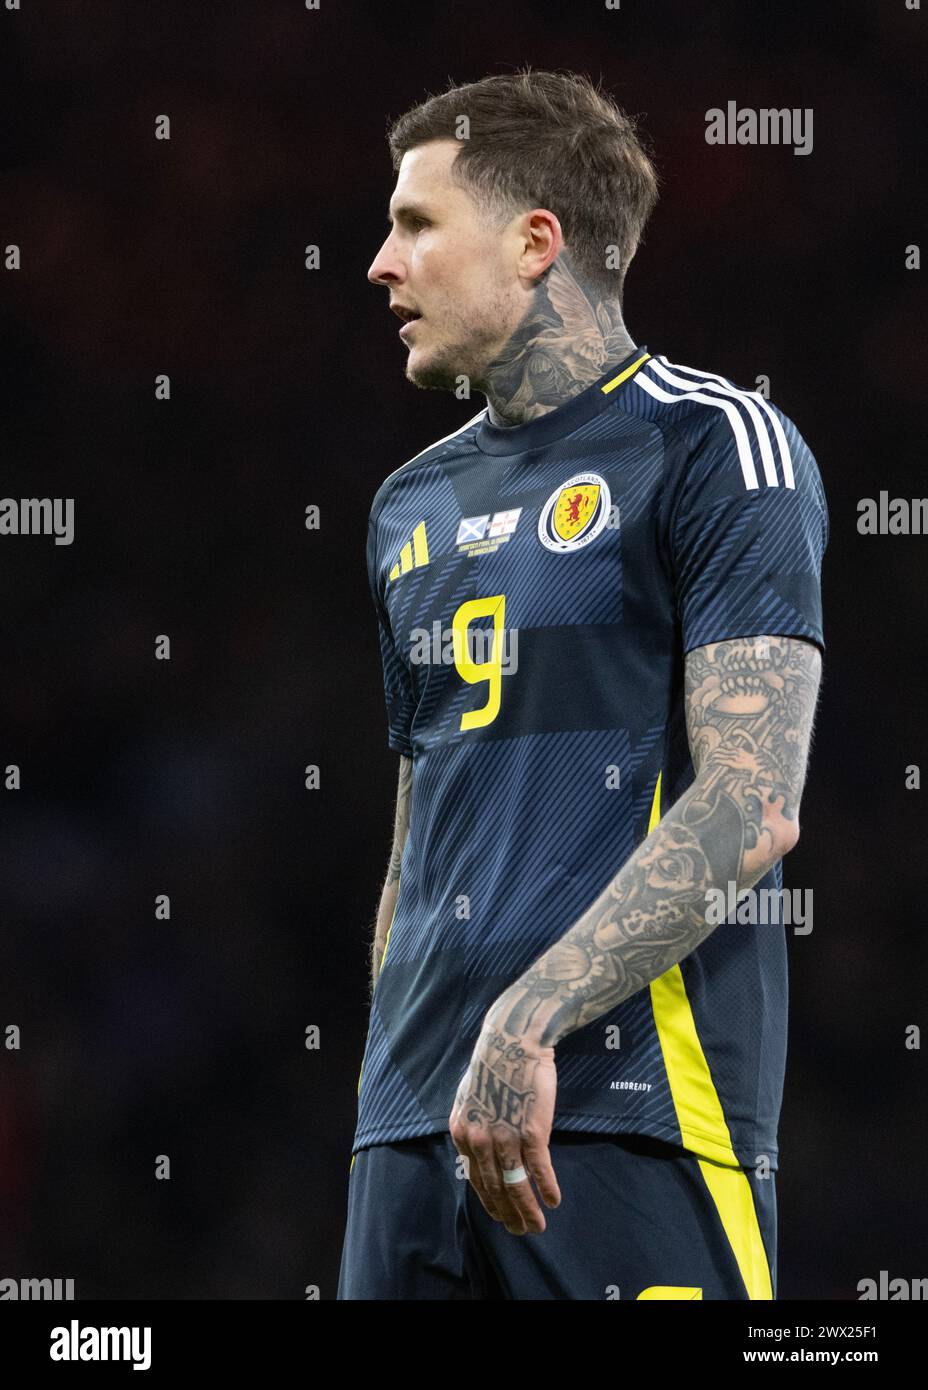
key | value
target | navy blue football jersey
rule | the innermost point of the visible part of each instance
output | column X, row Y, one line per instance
column 537, row 588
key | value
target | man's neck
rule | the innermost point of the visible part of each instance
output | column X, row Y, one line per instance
column 566, row 341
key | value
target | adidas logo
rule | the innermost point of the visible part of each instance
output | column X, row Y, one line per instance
column 413, row 554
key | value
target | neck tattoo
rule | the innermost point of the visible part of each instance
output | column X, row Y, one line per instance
column 566, row 341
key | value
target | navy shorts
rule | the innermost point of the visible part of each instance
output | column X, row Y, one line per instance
column 638, row 1219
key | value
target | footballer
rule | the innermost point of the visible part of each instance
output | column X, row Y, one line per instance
column 599, row 613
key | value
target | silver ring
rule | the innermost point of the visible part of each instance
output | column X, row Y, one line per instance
column 516, row 1175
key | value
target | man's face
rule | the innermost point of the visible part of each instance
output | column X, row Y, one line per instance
column 443, row 262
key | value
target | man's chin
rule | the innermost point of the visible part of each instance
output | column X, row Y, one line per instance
column 429, row 373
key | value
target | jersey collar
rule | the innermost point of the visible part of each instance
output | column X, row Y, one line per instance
column 535, row 434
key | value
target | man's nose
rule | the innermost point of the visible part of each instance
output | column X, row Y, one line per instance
column 386, row 266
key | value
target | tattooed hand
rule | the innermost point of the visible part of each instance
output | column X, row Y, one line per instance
column 501, row 1121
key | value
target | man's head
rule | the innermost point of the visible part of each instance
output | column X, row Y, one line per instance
column 496, row 179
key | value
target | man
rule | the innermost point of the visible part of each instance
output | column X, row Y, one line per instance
column 600, row 621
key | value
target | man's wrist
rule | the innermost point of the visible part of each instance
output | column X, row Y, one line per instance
column 512, row 1016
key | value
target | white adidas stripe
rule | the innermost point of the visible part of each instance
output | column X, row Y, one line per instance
column 745, row 456
column 750, row 398
column 766, row 453
column 713, row 391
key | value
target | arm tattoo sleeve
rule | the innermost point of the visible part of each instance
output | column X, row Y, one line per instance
column 750, row 707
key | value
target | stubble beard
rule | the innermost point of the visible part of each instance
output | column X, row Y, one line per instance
column 469, row 355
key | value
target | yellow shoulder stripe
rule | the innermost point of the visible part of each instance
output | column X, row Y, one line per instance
column 623, row 376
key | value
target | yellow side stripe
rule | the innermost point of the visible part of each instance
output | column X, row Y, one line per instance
column 623, row 376
column 664, row 1292
column 702, row 1120
column 731, row 1192
column 406, row 558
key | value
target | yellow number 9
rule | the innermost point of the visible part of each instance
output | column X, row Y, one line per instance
column 472, row 671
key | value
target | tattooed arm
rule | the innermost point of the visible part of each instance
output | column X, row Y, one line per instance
column 391, row 887
column 750, row 705
column 749, row 709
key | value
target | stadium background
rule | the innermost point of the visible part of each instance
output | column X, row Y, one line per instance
column 186, row 1037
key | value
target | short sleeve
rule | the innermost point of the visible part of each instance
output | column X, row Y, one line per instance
column 748, row 532
column 397, row 683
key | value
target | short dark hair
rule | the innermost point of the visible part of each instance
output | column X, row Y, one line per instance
column 552, row 140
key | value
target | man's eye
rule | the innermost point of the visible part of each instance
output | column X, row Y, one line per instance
column 418, row 223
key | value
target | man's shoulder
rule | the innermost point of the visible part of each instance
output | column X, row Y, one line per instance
column 718, row 423
column 694, row 400
column 432, row 453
